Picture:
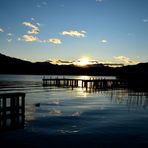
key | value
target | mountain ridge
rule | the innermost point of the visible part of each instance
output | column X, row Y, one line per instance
column 12, row 65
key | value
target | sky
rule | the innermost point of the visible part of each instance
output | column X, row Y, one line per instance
column 101, row 30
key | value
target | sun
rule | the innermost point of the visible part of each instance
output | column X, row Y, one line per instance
column 82, row 62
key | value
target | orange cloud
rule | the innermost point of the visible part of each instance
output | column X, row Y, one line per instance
column 126, row 60
column 29, row 38
column 34, row 28
column 55, row 41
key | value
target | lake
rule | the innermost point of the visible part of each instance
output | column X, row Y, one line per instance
column 70, row 117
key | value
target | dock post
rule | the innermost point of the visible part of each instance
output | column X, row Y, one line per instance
column 12, row 111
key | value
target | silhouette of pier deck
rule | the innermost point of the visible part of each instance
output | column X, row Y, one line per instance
column 85, row 83
column 103, row 83
column 61, row 82
column 12, row 111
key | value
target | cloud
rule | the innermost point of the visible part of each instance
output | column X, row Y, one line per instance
column 83, row 31
column 9, row 40
column 145, row 20
column 29, row 24
column 34, row 28
column 38, row 6
column 42, row 4
column 33, row 31
column 104, row 41
column 1, row 30
column 9, row 34
column 55, row 41
column 19, row 39
column 126, row 60
column 61, row 62
column 33, row 19
column 29, row 38
column 38, row 24
column 74, row 33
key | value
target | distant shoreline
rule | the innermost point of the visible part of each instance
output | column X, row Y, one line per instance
column 16, row 66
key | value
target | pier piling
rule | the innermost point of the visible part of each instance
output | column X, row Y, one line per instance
column 12, row 111
column 87, row 84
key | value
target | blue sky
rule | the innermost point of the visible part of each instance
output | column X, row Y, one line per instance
column 103, row 30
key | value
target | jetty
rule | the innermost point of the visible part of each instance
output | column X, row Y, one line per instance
column 94, row 83
column 12, row 111
column 61, row 82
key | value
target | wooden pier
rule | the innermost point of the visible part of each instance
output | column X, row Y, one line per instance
column 88, row 84
column 61, row 82
column 103, row 83
column 12, row 111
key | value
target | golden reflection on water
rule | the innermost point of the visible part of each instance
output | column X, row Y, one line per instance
column 132, row 100
column 81, row 93
column 83, row 77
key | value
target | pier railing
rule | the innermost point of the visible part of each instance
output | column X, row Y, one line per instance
column 12, row 111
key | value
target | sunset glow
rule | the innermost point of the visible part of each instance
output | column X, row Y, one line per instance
column 82, row 62
column 66, row 30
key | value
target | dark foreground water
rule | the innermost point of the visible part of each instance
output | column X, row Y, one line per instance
column 76, row 118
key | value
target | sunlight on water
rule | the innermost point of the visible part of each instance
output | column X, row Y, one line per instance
column 55, row 112
column 56, row 102
column 68, row 131
column 80, row 93
column 76, row 114
column 51, row 110
column 83, row 77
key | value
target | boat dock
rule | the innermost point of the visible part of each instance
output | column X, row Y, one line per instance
column 85, row 83
column 61, row 82
column 103, row 83
column 12, row 111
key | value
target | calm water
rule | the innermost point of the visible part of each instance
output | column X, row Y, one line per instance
column 77, row 118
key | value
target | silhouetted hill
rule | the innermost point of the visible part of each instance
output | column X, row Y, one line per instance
column 10, row 65
column 10, row 60
column 133, row 70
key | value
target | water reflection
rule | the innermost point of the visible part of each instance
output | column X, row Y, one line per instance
column 81, row 93
column 138, row 99
column 133, row 99
column 76, row 114
column 83, row 77
column 68, row 131
column 64, row 107
column 55, row 112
